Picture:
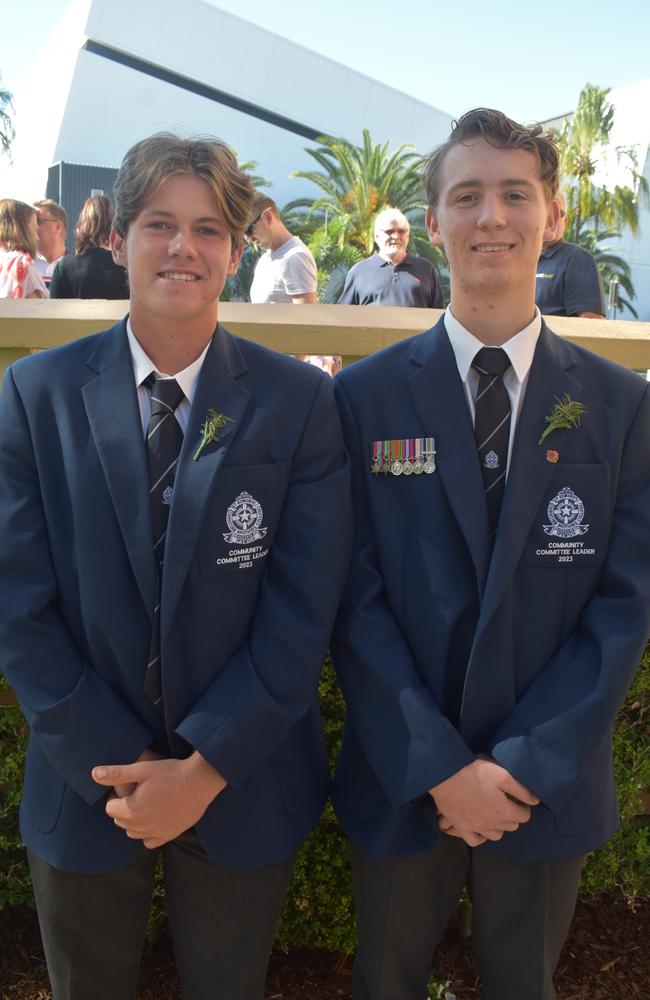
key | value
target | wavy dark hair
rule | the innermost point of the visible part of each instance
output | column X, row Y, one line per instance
column 502, row 132
column 94, row 223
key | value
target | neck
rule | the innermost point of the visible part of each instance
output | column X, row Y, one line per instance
column 493, row 317
column 170, row 345
column 280, row 236
column 395, row 258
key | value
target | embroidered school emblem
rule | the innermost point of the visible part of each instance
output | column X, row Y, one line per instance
column 565, row 512
column 491, row 460
column 244, row 518
column 168, row 493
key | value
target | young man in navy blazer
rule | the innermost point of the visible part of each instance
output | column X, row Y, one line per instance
column 171, row 703
column 498, row 599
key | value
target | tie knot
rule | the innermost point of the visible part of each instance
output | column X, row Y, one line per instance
column 491, row 361
column 166, row 394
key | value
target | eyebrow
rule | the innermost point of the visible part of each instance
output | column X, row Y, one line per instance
column 172, row 215
column 506, row 182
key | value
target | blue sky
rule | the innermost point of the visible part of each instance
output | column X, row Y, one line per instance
column 523, row 58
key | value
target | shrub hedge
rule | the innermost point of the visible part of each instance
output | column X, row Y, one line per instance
column 319, row 908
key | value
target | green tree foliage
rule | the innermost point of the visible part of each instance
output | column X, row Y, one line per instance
column 584, row 141
column 358, row 182
column 609, row 263
column 333, row 260
column 7, row 132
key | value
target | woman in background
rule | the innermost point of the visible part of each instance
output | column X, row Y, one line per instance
column 91, row 273
column 19, row 278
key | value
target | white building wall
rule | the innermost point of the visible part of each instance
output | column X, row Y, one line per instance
column 631, row 130
column 110, row 106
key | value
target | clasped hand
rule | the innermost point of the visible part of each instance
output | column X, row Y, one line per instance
column 155, row 800
column 481, row 802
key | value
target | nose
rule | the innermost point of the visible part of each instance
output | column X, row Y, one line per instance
column 182, row 244
column 492, row 212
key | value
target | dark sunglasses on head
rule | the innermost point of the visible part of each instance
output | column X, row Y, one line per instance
column 249, row 229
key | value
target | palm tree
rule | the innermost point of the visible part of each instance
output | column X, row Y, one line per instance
column 609, row 264
column 332, row 260
column 358, row 182
column 7, row 131
column 583, row 144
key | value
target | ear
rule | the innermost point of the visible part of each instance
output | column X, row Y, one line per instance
column 435, row 236
column 234, row 261
column 552, row 220
column 118, row 248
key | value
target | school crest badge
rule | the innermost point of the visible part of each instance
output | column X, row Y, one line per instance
column 566, row 512
column 244, row 519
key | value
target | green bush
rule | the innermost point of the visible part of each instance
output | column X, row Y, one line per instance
column 319, row 908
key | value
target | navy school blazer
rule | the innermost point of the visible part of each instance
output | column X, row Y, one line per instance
column 541, row 636
column 246, row 615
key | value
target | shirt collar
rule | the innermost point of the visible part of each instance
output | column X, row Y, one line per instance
column 143, row 365
column 551, row 249
column 520, row 348
column 388, row 263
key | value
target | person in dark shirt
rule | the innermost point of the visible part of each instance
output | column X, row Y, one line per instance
column 568, row 282
column 392, row 276
column 91, row 273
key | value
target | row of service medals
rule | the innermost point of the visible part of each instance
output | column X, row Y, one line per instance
column 410, row 456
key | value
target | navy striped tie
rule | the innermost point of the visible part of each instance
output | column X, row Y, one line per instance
column 164, row 440
column 492, row 426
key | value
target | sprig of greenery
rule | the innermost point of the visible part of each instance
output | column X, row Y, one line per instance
column 211, row 429
column 565, row 414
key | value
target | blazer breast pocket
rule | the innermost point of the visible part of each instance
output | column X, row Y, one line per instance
column 242, row 520
column 571, row 528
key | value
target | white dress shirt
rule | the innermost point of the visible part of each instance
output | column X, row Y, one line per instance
column 143, row 366
column 520, row 349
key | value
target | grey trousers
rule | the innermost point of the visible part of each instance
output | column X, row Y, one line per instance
column 222, row 922
column 521, row 913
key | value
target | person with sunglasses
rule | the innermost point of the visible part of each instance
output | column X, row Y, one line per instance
column 286, row 271
column 52, row 231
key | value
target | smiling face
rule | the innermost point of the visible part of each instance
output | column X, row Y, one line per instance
column 178, row 253
column 492, row 216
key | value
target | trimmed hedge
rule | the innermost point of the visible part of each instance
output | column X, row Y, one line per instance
column 319, row 908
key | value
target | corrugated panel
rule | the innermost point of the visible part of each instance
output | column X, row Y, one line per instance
column 78, row 182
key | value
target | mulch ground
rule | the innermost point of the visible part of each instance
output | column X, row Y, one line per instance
column 607, row 957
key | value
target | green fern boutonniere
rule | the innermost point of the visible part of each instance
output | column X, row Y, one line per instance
column 565, row 415
column 211, row 429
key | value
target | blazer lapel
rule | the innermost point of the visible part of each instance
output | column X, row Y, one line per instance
column 114, row 416
column 530, row 472
column 439, row 398
column 218, row 389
